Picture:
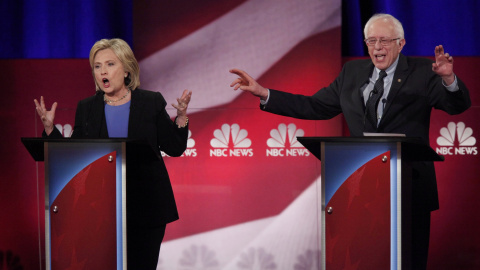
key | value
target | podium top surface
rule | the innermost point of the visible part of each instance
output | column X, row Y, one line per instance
column 35, row 145
column 412, row 148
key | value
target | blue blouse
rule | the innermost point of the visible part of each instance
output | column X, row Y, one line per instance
column 117, row 120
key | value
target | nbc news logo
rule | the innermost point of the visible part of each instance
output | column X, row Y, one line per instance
column 280, row 146
column 453, row 133
column 221, row 142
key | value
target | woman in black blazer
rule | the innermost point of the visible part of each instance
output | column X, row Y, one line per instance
column 120, row 109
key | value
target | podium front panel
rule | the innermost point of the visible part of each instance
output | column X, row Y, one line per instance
column 85, row 205
column 360, row 205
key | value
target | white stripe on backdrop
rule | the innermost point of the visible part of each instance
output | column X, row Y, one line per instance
column 261, row 244
column 252, row 37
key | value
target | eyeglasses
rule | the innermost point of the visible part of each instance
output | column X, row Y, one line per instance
column 383, row 42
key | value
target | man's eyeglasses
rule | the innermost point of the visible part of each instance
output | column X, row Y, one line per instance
column 383, row 42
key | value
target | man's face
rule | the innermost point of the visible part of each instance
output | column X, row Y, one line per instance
column 383, row 56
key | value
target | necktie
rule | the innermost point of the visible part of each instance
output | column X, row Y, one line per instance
column 375, row 95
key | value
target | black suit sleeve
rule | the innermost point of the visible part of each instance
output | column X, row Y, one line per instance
column 324, row 104
column 450, row 102
column 171, row 139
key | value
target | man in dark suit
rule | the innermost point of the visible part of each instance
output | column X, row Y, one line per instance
column 388, row 93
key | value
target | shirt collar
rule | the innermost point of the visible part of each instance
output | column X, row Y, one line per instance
column 390, row 70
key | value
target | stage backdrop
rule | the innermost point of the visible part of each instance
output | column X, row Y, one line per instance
column 245, row 189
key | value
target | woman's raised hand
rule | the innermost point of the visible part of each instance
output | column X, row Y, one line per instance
column 46, row 116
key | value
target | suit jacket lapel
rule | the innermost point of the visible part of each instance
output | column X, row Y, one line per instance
column 136, row 106
column 363, row 78
column 98, row 123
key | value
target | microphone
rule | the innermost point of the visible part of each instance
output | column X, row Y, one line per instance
column 384, row 101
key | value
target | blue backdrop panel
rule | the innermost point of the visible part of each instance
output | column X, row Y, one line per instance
column 426, row 23
column 68, row 29
column 61, row 29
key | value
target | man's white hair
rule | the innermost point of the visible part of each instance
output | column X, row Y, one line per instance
column 397, row 25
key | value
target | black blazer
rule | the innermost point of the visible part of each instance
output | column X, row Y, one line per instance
column 150, row 199
column 415, row 90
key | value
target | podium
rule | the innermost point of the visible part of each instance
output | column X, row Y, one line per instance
column 85, row 199
column 366, row 199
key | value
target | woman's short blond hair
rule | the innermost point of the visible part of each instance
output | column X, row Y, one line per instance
column 125, row 54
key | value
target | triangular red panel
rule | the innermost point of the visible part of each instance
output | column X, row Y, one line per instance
column 358, row 228
column 83, row 229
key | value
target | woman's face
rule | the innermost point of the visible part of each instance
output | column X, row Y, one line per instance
column 109, row 72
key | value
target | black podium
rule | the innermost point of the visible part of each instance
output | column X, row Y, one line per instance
column 366, row 199
column 85, row 200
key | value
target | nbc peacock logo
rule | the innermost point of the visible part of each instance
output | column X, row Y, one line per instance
column 456, row 139
column 283, row 142
column 228, row 136
column 66, row 130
